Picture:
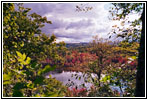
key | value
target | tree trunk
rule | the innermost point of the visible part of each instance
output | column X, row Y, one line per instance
column 140, row 78
column 100, row 62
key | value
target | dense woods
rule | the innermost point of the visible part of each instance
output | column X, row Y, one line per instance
column 29, row 54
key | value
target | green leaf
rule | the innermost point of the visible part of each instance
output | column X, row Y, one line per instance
column 115, row 74
column 27, row 72
column 51, row 95
column 17, row 93
column 107, row 77
column 39, row 80
column 104, row 79
column 23, row 72
column 39, row 72
column 79, row 78
column 30, row 85
column 33, row 65
column 6, row 82
column 47, row 69
column 19, row 86
column 37, row 95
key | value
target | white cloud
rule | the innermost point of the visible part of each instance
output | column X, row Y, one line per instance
column 71, row 26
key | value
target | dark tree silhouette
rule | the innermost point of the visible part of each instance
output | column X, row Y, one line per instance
column 140, row 78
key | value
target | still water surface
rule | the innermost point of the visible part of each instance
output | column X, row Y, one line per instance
column 69, row 77
column 66, row 78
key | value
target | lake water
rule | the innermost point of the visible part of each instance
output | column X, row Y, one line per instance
column 70, row 78
column 67, row 79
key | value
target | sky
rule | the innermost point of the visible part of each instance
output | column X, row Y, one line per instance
column 71, row 26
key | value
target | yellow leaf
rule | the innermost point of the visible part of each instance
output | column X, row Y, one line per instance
column 6, row 77
column 24, row 56
column 28, row 60
column 22, row 44
column 19, row 54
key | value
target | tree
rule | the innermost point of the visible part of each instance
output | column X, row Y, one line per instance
column 102, row 49
column 83, row 7
column 122, row 12
column 23, row 44
column 140, row 79
column 125, row 10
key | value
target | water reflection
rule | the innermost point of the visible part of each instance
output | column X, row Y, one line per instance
column 69, row 78
column 75, row 79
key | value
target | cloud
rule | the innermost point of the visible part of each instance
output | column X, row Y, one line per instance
column 71, row 26
column 80, row 24
column 72, row 40
column 40, row 8
column 56, row 25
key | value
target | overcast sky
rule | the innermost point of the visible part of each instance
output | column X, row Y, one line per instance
column 71, row 26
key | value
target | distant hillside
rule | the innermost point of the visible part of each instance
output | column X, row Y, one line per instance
column 82, row 44
column 68, row 45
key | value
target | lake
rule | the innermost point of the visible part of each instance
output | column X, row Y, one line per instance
column 68, row 78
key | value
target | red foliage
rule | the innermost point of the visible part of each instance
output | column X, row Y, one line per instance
column 48, row 60
column 73, row 60
column 120, row 59
column 77, row 92
column 79, row 59
column 134, row 64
